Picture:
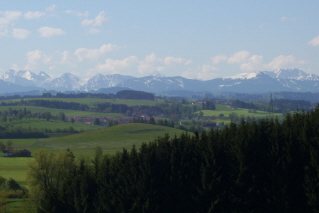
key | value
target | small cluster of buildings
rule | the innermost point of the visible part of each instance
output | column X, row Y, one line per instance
column 103, row 120
column 16, row 153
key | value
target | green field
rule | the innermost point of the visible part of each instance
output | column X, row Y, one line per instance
column 52, row 124
column 15, row 168
column 110, row 139
column 53, row 111
column 90, row 101
column 227, row 110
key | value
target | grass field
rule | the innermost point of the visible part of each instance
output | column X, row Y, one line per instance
column 110, row 139
column 15, row 168
column 52, row 124
column 35, row 109
column 227, row 110
column 90, row 101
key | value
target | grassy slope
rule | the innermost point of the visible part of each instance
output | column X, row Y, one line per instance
column 111, row 140
column 67, row 112
column 52, row 124
column 227, row 110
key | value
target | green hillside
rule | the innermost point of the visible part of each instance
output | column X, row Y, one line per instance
column 53, row 111
column 52, row 124
column 239, row 111
column 111, row 139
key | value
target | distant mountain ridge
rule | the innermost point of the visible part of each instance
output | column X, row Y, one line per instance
column 293, row 80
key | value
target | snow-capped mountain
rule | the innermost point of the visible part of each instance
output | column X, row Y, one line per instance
column 26, row 78
column 291, row 74
column 254, row 82
column 104, row 81
column 66, row 82
column 244, row 76
column 155, row 84
column 157, row 74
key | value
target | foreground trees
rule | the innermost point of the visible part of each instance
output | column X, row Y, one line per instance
column 269, row 166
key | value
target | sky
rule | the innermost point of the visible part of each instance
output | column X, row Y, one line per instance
column 201, row 39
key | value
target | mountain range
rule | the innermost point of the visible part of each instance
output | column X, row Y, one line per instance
column 292, row 80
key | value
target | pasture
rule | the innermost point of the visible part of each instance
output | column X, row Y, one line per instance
column 227, row 110
column 53, row 111
column 52, row 124
column 110, row 139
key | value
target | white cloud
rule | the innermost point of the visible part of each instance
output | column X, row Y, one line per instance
column 203, row 72
column 93, row 54
column 68, row 59
column 285, row 19
column 98, row 21
column 261, row 26
column 218, row 59
column 153, row 63
column 254, row 63
column 238, row 57
column 3, row 31
column 77, row 13
column 150, row 64
column 51, row 8
column 33, row 15
column 50, row 32
column 172, row 60
column 7, row 19
column 93, row 31
column 20, row 33
column 284, row 62
column 314, row 41
column 36, row 58
column 15, row 67
column 116, row 65
column 9, row 16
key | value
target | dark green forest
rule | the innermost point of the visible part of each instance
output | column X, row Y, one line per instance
column 269, row 166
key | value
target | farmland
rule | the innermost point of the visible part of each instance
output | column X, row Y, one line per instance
column 36, row 109
column 111, row 140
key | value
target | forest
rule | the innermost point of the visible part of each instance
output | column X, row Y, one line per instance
column 265, row 166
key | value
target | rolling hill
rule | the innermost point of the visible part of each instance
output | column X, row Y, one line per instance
column 110, row 139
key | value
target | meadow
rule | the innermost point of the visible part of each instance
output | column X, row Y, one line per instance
column 52, row 124
column 227, row 110
column 110, row 139
column 53, row 111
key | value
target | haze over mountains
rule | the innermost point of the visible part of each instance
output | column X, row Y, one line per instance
column 293, row 80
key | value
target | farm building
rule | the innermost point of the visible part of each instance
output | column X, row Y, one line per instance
column 16, row 153
column 210, row 124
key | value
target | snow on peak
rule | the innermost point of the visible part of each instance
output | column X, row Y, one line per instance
column 291, row 74
column 25, row 74
column 244, row 76
column 157, row 74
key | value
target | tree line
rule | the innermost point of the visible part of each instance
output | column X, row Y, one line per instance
column 276, row 105
column 269, row 166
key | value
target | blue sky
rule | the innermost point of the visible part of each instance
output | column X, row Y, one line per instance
column 192, row 38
